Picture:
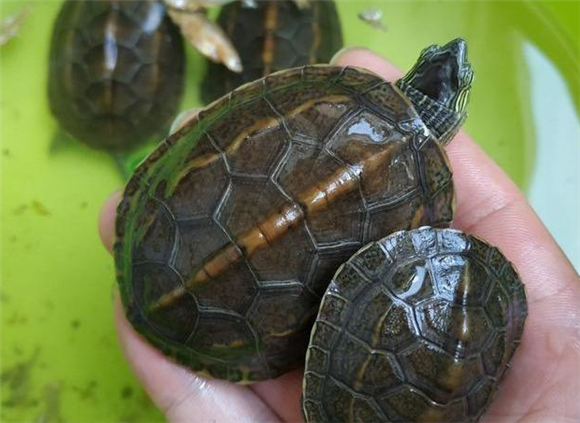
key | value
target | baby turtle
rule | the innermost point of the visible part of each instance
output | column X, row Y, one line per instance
column 229, row 233
column 116, row 71
column 272, row 36
column 417, row 327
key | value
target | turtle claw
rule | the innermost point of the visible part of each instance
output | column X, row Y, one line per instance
column 182, row 119
column 302, row 4
column 207, row 37
column 250, row 4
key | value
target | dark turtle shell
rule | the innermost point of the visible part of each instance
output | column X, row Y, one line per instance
column 419, row 326
column 116, row 71
column 273, row 36
column 228, row 234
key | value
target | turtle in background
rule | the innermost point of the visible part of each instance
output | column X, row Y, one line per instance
column 116, row 72
column 270, row 36
column 117, row 68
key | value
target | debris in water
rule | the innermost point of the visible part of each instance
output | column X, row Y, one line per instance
column 17, row 319
column 17, row 380
column 126, row 392
column 20, row 209
column 373, row 17
column 39, row 208
column 86, row 392
column 11, row 25
column 35, row 205
column 51, row 413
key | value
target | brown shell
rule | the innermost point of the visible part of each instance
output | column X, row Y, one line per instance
column 419, row 326
column 116, row 71
column 230, row 231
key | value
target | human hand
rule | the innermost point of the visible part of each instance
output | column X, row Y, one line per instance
column 543, row 384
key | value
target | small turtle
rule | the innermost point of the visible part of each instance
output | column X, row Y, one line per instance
column 229, row 233
column 417, row 327
column 116, row 71
column 272, row 36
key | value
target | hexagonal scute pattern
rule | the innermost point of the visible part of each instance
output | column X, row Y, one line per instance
column 201, row 183
column 279, row 315
column 176, row 322
column 248, row 202
column 255, row 205
column 414, row 328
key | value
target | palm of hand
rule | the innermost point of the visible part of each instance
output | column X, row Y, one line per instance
column 543, row 384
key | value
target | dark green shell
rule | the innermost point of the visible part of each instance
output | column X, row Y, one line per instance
column 419, row 326
column 278, row 30
column 228, row 234
column 116, row 71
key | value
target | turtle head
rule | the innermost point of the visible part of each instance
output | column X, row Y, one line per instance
column 439, row 85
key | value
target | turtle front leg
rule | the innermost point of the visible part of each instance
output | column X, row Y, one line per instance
column 207, row 37
column 253, row 4
column 194, row 5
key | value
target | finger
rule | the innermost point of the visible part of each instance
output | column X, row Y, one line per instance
column 367, row 59
column 107, row 220
column 490, row 205
column 180, row 394
column 183, row 118
column 282, row 395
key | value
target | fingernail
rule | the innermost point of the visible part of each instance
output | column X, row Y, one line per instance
column 183, row 118
column 345, row 50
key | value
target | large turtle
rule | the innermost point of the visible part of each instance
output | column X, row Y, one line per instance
column 417, row 327
column 229, row 233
